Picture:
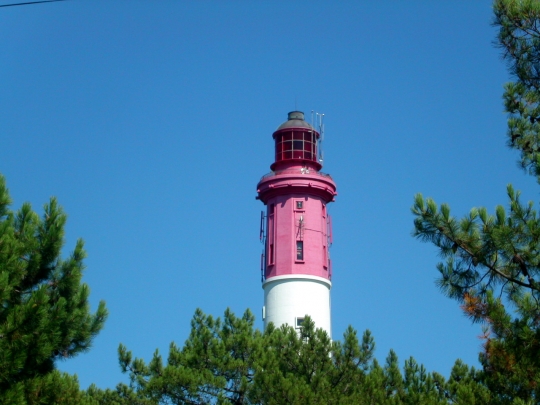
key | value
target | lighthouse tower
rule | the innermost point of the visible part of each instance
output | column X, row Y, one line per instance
column 296, row 230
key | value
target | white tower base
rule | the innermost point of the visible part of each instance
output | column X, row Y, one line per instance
column 288, row 299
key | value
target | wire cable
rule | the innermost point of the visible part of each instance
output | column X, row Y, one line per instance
column 29, row 2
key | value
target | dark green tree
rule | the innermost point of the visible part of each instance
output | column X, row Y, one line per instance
column 229, row 362
column 215, row 365
column 493, row 260
column 465, row 386
column 122, row 395
column 306, row 367
column 44, row 310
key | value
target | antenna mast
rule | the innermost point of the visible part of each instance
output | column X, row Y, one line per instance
column 320, row 127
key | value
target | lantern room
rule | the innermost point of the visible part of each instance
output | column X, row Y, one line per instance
column 296, row 142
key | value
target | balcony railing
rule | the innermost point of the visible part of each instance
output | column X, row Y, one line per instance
column 297, row 171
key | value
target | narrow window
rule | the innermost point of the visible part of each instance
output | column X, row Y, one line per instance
column 299, row 250
column 299, row 205
column 299, row 322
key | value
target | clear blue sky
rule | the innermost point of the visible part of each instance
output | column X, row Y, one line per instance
column 151, row 121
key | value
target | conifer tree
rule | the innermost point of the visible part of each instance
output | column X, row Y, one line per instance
column 493, row 260
column 44, row 309
column 229, row 362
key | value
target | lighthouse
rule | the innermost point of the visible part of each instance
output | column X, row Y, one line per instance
column 296, row 229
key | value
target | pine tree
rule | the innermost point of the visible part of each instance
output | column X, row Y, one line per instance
column 214, row 366
column 229, row 362
column 44, row 310
column 493, row 261
column 465, row 386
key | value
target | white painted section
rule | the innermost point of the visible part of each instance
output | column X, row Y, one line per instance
column 294, row 296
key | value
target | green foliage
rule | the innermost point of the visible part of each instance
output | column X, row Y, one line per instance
column 463, row 386
column 492, row 262
column 229, row 362
column 519, row 38
column 484, row 252
column 215, row 364
column 122, row 395
column 44, row 310
column 305, row 367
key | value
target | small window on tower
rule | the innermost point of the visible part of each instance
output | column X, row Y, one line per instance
column 299, row 322
column 299, row 205
column 299, row 250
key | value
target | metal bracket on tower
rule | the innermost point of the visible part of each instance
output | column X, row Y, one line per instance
column 262, row 237
column 329, row 231
column 261, row 232
column 300, row 233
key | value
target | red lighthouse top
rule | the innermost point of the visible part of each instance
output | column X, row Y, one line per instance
column 298, row 227
column 296, row 143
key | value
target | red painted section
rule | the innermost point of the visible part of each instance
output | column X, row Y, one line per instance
column 297, row 222
column 296, row 145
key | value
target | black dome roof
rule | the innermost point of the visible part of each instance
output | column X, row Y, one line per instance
column 295, row 120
